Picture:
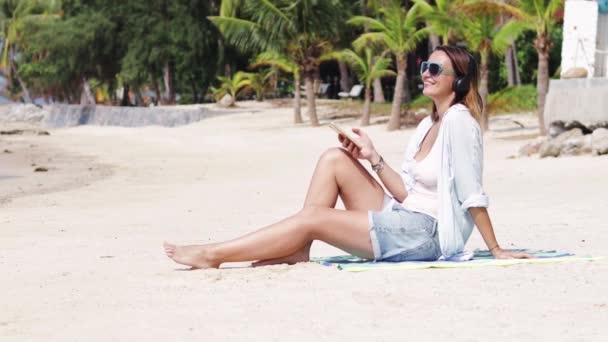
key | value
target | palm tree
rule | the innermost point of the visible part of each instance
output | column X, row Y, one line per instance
column 302, row 30
column 396, row 31
column 259, row 82
column 443, row 17
column 283, row 63
column 368, row 68
column 484, row 32
column 14, row 18
column 539, row 16
column 231, row 86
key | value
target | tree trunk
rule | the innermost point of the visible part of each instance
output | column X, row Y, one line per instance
column 483, row 89
column 542, row 86
column 158, row 99
column 139, row 99
column 317, row 84
column 26, row 93
column 366, row 106
column 433, row 42
column 86, row 96
column 125, row 101
column 511, row 63
column 168, row 78
column 515, row 65
column 194, row 91
column 407, row 95
column 378, row 92
column 310, row 100
column 297, row 103
column 227, row 70
column 344, row 77
column 395, row 120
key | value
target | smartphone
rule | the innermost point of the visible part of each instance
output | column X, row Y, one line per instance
column 341, row 131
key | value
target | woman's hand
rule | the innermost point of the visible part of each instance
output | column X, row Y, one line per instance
column 500, row 253
column 367, row 150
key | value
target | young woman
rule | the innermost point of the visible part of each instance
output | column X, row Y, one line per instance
column 436, row 197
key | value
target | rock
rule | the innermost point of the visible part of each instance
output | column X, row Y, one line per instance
column 43, row 133
column 225, row 101
column 573, row 146
column 412, row 119
column 599, row 141
column 575, row 72
column 576, row 124
column 556, row 128
column 588, row 144
column 422, row 111
column 553, row 147
column 12, row 132
column 8, row 151
column 531, row 147
column 41, row 169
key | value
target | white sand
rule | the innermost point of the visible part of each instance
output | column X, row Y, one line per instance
column 86, row 263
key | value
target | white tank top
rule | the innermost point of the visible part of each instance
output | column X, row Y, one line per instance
column 422, row 197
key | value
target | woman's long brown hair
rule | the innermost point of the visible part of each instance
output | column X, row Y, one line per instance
column 460, row 62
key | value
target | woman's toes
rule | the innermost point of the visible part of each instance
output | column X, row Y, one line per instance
column 169, row 249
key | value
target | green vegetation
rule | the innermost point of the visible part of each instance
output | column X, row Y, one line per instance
column 513, row 99
column 136, row 52
column 396, row 31
column 367, row 68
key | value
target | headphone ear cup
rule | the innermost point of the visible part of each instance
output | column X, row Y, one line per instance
column 460, row 85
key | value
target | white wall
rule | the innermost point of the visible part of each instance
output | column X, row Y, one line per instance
column 601, row 53
column 580, row 32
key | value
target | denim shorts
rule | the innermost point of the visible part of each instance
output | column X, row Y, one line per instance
column 399, row 234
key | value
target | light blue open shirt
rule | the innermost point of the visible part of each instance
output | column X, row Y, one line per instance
column 459, row 183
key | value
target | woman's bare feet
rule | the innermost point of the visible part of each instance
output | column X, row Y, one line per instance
column 303, row 255
column 197, row 256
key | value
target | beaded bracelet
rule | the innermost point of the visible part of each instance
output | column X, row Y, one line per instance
column 378, row 167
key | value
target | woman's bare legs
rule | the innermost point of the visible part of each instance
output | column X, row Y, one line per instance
column 346, row 230
column 288, row 241
column 336, row 174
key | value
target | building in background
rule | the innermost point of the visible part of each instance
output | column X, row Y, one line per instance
column 581, row 95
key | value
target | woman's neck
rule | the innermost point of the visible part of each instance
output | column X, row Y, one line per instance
column 443, row 105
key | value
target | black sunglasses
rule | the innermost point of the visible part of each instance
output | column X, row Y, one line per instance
column 435, row 69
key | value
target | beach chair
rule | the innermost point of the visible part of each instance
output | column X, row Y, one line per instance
column 355, row 92
column 321, row 92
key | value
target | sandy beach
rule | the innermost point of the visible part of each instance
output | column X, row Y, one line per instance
column 81, row 244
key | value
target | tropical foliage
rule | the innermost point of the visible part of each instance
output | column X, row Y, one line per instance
column 135, row 52
column 368, row 68
column 302, row 31
column 397, row 32
column 232, row 86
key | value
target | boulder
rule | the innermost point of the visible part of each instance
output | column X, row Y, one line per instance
column 599, row 141
column 531, row 147
column 576, row 146
column 225, row 101
column 553, row 147
column 556, row 128
column 575, row 72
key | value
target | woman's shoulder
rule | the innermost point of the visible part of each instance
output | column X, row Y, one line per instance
column 460, row 115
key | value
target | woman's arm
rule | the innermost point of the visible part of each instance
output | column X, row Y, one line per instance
column 390, row 178
column 483, row 223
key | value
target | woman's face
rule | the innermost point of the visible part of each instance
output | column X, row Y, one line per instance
column 439, row 86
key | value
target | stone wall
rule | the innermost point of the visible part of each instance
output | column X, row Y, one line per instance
column 582, row 100
column 74, row 115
